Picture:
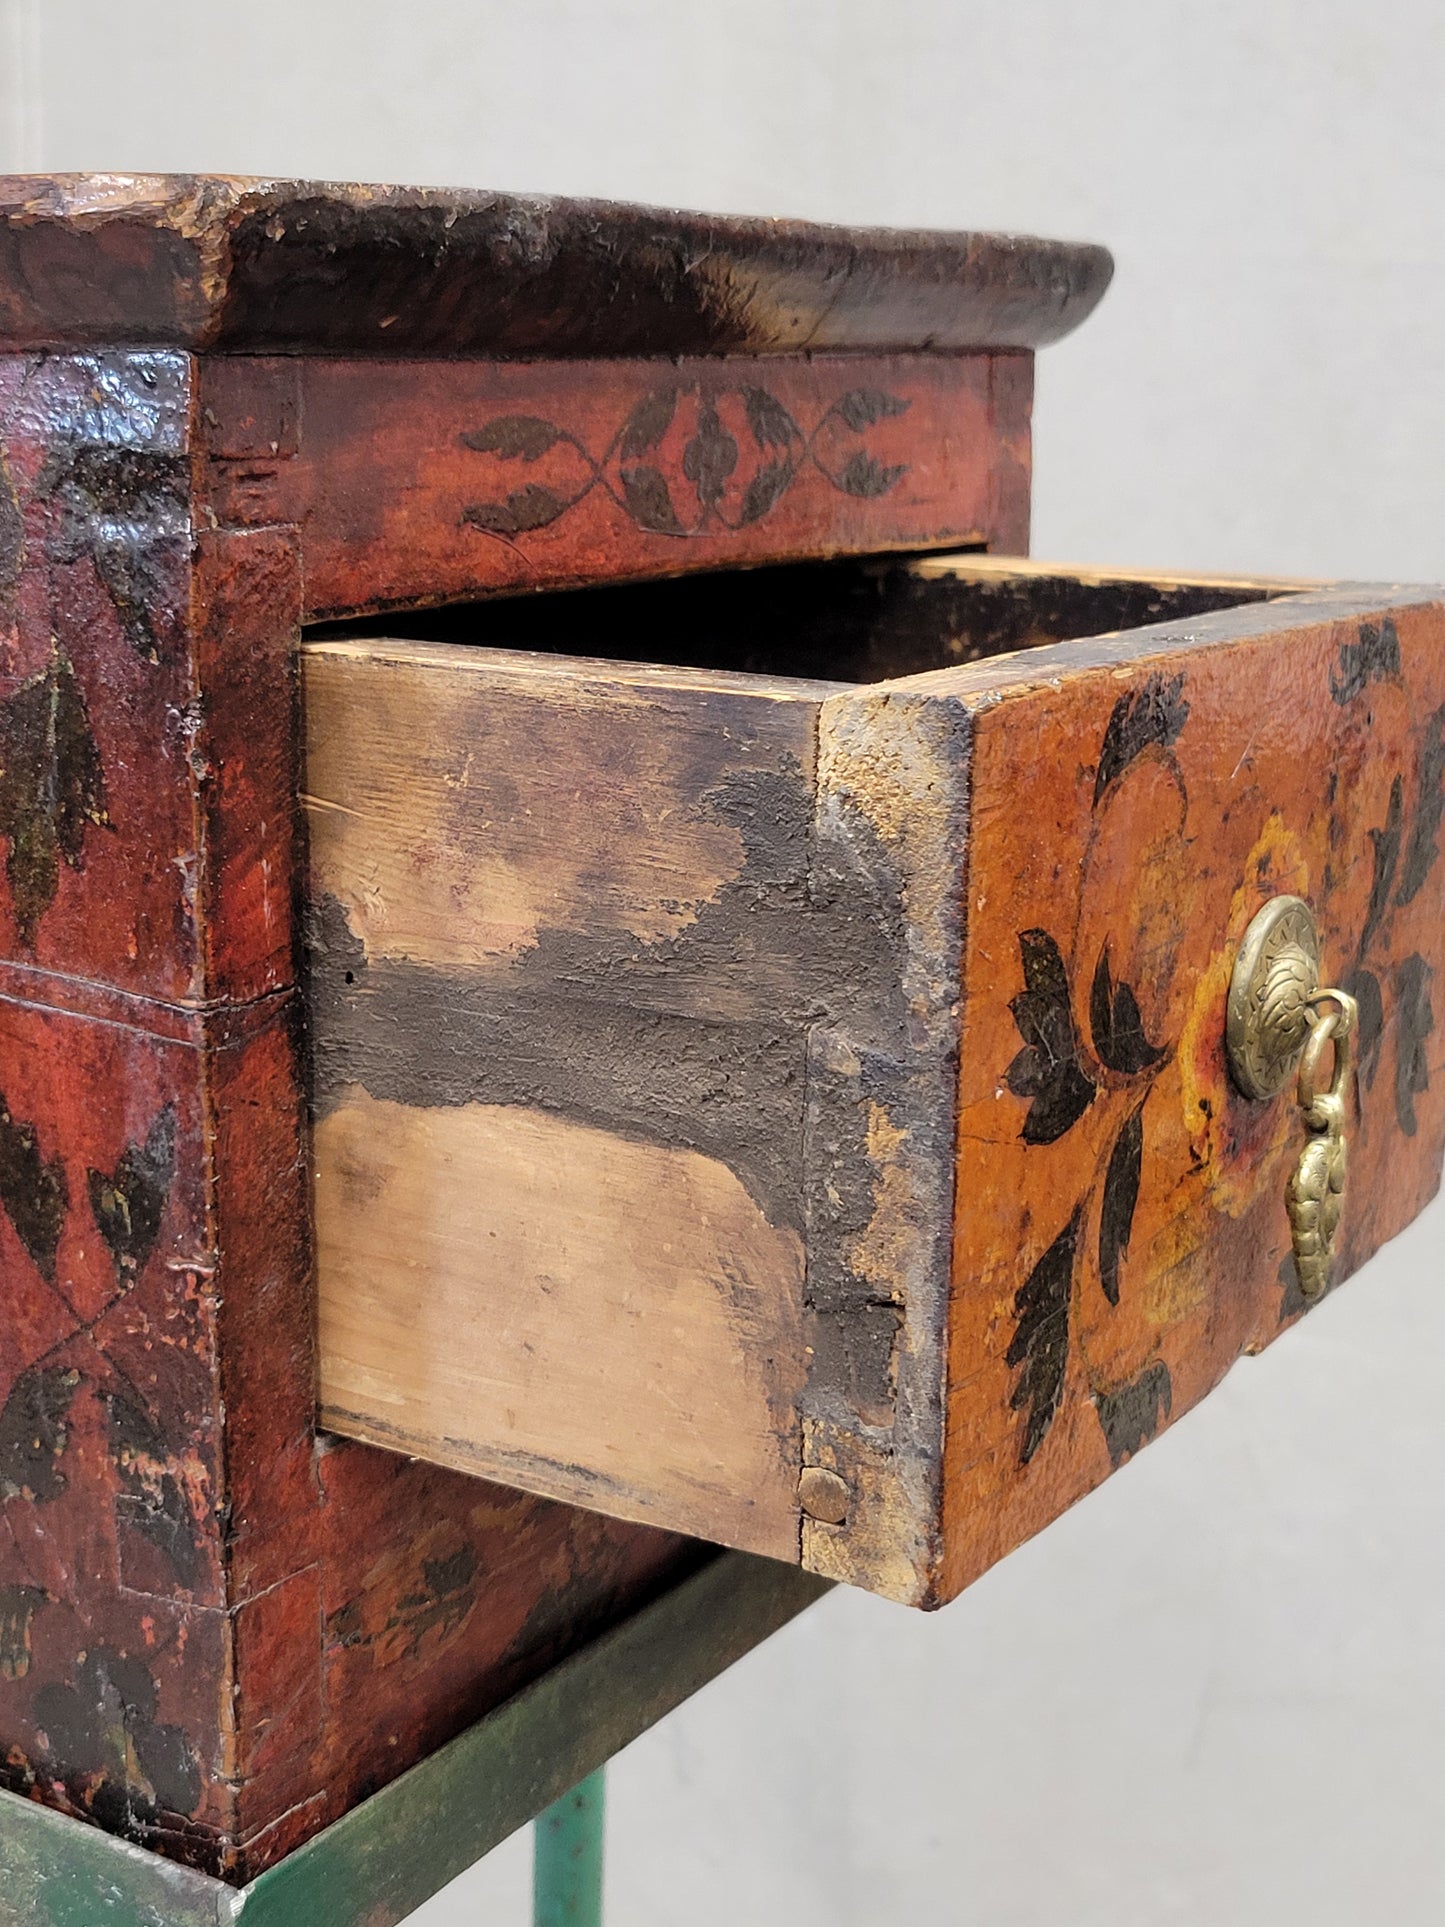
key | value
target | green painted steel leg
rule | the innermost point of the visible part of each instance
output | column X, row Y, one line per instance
column 567, row 1858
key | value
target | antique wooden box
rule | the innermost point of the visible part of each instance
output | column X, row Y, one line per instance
column 735, row 1058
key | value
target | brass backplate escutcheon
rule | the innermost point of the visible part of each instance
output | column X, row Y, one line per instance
column 1276, row 974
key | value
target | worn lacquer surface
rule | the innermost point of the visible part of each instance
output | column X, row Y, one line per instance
column 1121, row 1227
column 216, row 1632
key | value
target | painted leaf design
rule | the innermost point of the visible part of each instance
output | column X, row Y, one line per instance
column 34, row 1433
column 129, row 1202
column 861, row 407
column 1039, row 1352
column 1372, row 658
column 865, row 475
column 18, row 1607
column 1131, row 1414
column 152, row 1498
column 648, row 423
column 1364, row 987
column 1121, row 1198
column 12, row 532
column 1047, row 1070
column 1414, row 1021
column 710, row 457
column 514, row 437
column 33, row 1191
column 532, row 507
column 645, row 495
column 772, row 425
column 51, row 787
column 1142, row 718
column 765, row 490
column 1117, row 1026
column 1429, row 811
column 1385, row 843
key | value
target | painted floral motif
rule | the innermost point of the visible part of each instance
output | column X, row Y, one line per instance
column 687, row 459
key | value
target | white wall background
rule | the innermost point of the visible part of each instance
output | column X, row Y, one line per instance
column 1214, row 1695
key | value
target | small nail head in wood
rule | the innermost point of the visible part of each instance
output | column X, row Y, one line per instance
column 823, row 1495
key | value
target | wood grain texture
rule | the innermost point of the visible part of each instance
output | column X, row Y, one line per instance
column 216, row 1630
column 417, row 481
column 251, row 266
column 561, row 969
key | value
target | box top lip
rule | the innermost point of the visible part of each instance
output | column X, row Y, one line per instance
column 232, row 264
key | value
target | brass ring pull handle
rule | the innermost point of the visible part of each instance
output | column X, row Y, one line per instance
column 1279, row 1017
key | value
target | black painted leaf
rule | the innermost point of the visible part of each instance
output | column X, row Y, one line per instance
column 134, row 572
column 1364, row 987
column 646, row 498
column 772, row 425
column 861, row 407
column 1117, row 1025
column 152, row 1498
column 12, row 532
column 1121, row 1196
column 864, row 475
column 1429, row 810
column 33, row 1192
column 103, row 1728
column 34, row 1433
column 129, row 1202
column 1385, row 843
column 514, row 437
column 1374, row 657
column 51, row 787
column 1414, row 1021
column 532, row 507
column 765, row 490
column 648, row 423
column 1047, row 1070
column 1151, row 716
column 710, row 457
column 1039, row 1351
column 1131, row 1414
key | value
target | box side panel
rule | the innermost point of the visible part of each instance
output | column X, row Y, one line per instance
column 1122, row 1233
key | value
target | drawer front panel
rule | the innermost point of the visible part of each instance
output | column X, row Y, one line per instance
column 1121, row 1232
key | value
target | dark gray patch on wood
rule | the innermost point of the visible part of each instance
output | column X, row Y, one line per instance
column 32, row 1190
column 1131, row 1415
column 1151, row 717
column 34, row 1433
column 151, row 1497
column 1364, row 986
column 52, row 788
column 1373, row 658
column 1429, row 811
column 614, row 1032
column 1414, row 1021
column 18, row 1607
column 1039, row 1350
column 107, row 1746
column 129, row 1202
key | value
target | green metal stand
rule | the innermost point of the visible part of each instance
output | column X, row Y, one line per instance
column 567, row 1857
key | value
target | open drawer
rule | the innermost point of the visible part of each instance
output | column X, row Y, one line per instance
column 784, row 1096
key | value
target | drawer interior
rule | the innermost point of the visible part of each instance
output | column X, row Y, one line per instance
column 847, row 621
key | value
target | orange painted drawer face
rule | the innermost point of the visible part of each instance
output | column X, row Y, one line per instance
column 783, row 1096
